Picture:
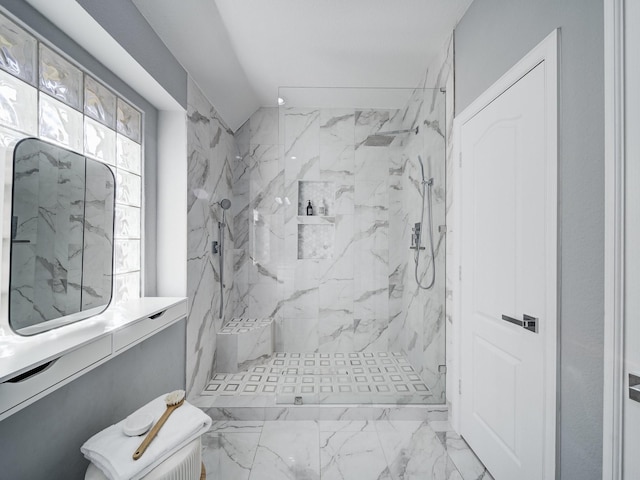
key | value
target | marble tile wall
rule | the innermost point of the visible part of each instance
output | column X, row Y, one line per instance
column 362, row 297
column 419, row 327
column 211, row 159
column 441, row 74
column 425, row 320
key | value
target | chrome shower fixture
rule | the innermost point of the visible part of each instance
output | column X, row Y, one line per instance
column 218, row 248
column 384, row 139
column 416, row 237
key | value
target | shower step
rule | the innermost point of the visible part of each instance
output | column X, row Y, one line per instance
column 244, row 342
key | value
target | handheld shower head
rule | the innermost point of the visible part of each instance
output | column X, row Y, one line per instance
column 225, row 203
column 424, row 180
column 421, row 167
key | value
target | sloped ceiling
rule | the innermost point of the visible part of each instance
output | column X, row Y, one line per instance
column 240, row 52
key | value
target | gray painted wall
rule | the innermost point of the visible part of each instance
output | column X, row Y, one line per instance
column 125, row 23
column 43, row 440
column 492, row 36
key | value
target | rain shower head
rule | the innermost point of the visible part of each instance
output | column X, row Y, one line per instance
column 225, row 203
column 379, row 140
column 384, row 139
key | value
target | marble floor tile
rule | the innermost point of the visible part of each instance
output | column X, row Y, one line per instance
column 234, row 426
column 346, row 426
column 349, row 455
column 229, row 455
column 441, row 426
column 338, row 450
column 414, row 452
column 288, row 450
column 464, row 459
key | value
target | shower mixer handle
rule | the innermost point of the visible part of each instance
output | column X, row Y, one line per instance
column 415, row 237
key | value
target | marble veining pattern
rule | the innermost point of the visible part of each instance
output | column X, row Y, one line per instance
column 211, row 150
column 362, row 297
column 338, row 450
column 346, row 285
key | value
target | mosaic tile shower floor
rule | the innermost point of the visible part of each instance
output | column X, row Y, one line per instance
column 327, row 378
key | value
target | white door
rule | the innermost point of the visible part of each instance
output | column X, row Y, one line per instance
column 508, row 234
column 631, row 395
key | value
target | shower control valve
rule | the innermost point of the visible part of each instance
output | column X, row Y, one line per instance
column 415, row 237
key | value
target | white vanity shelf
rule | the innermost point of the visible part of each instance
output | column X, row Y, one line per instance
column 32, row 367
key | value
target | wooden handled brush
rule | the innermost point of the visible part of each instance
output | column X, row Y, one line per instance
column 173, row 401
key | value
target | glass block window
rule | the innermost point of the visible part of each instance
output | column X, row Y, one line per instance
column 17, row 51
column 44, row 94
column 99, row 102
column 60, row 78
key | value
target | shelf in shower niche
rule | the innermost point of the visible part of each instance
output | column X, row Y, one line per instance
column 321, row 194
column 315, row 241
column 316, row 220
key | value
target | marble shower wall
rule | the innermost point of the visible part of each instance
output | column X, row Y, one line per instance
column 441, row 74
column 211, row 156
column 422, row 328
column 362, row 298
column 418, row 327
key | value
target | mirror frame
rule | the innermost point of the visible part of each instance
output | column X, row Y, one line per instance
column 7, row 248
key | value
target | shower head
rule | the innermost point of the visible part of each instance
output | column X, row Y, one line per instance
column 384, row 139
column 225, row 203
column 379, row 140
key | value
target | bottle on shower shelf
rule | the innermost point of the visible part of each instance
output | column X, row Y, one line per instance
column 322, row 209
column 309, row 208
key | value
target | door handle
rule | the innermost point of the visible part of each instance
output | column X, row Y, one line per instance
column 634, row 387
column 528, row 322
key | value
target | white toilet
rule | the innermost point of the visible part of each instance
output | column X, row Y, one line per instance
column 185, row 464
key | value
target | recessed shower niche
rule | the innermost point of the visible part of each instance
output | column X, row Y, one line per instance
column 316, row 232
column 320, row 194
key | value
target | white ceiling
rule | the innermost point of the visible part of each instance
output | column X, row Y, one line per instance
column 241, row 51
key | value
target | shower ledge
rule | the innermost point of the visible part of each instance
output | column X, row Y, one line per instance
column 243, row 342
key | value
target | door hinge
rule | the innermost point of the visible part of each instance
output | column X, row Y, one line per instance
column 460, row 273
column 460, row 387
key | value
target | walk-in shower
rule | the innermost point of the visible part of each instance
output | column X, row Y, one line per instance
column 357, row 316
